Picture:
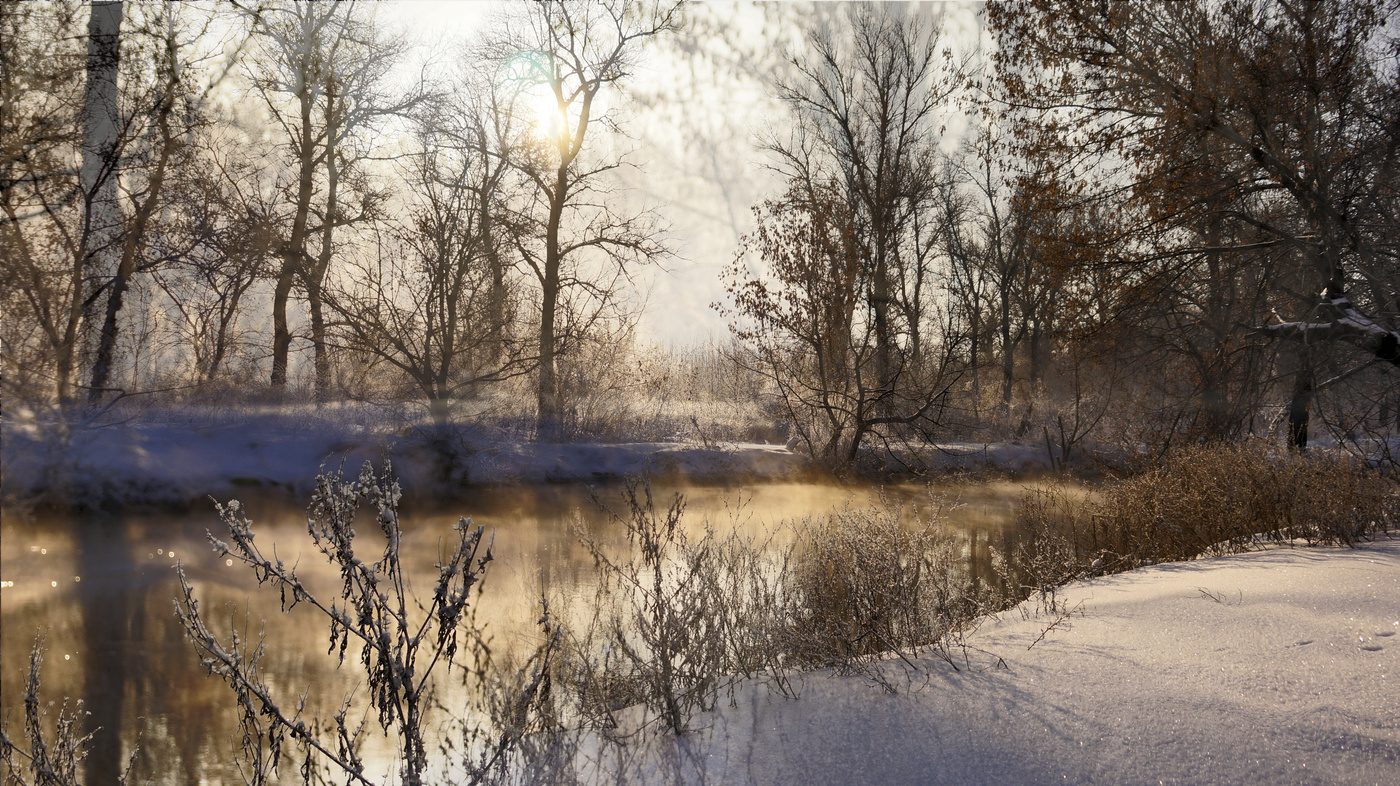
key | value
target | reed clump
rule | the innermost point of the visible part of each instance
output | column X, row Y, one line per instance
column 863, row 583
column 1212, row 500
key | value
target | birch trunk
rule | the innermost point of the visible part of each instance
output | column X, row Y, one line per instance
column 102, row 220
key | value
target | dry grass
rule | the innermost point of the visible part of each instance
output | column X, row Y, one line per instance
column 676, row 620
column 863, row 583
column 1209, row 500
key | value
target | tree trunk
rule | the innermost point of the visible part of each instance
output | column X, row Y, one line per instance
column 1298, row 406
column 281, row 336
column 494, row 351
column 547, row 393
column 316, row 277
column 318, row 340
column 880, row 304
column 131, row 249
column 102, row 221
column 1008, row 353
column 293, row 251
column 228, row 312
column 975, row 367
column 1036, row 368
column 547, row 426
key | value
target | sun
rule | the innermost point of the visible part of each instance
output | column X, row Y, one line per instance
column 543, row 109
column 534, row 100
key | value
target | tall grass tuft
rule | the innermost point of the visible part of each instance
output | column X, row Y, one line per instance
column 1213, row 500
column 864, row 583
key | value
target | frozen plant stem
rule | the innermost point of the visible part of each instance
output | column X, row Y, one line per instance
column 398, row 650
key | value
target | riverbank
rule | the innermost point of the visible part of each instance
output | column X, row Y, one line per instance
column 169, row 458
column 1279, row 667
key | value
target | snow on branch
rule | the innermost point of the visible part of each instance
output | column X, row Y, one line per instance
column 1342, row 323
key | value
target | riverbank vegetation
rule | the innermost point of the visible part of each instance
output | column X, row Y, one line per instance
column 680, row 615
column 1017, row 242
column 1154, row 246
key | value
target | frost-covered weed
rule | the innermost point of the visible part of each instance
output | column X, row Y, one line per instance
column 402, row 642
column 43, row 757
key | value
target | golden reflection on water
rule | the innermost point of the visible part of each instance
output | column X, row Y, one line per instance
column 102, row 590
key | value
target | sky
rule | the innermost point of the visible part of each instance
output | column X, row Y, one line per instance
column 696, row 124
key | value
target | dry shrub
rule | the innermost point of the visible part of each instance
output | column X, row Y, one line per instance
column 1202, row 500
column 1045, row 554
column 1220, row 499
column 677, row 619
column 656, row 633
column 863, row 583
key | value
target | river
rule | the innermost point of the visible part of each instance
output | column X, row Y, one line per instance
column 101, row 589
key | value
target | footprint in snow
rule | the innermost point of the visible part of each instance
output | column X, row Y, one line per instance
column 1367, row 644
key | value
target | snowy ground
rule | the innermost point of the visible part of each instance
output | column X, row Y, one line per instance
column 171, row 457
column 1274, row 667
column 186, row 455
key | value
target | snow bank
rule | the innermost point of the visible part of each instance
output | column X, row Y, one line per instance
column 184, row 456
column 172, row 456
column 1274, row 667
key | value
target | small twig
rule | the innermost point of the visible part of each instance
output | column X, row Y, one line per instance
column 1064, row 615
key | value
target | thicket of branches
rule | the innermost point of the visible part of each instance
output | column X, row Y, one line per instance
column 1166, row 223
column 1145, row 223
column 264, row 200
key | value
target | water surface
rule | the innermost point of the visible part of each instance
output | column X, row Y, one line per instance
column 102, row 590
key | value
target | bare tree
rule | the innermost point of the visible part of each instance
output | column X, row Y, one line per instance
column 1262, row 128
column 101, row 146
column 205, row 286
column 572, row 57
column 61, row 223
column 863, row 198
column 75, row 236
column 432, row 299
column 41, row 196
column 867, row 102
column 320, row 72
column 164, row 120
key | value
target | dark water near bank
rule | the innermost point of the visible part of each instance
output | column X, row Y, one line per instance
column 103, row 590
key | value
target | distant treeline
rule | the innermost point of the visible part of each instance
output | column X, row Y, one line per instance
column 1145, row 223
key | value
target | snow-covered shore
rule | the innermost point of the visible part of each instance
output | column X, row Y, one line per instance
column 172, row 457
column 1274, row 667
column 172, row 460
column 161, row 458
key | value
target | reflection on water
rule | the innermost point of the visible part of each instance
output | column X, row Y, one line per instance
column 103, row 589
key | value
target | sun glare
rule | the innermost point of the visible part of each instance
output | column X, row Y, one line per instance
column 544, row 110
